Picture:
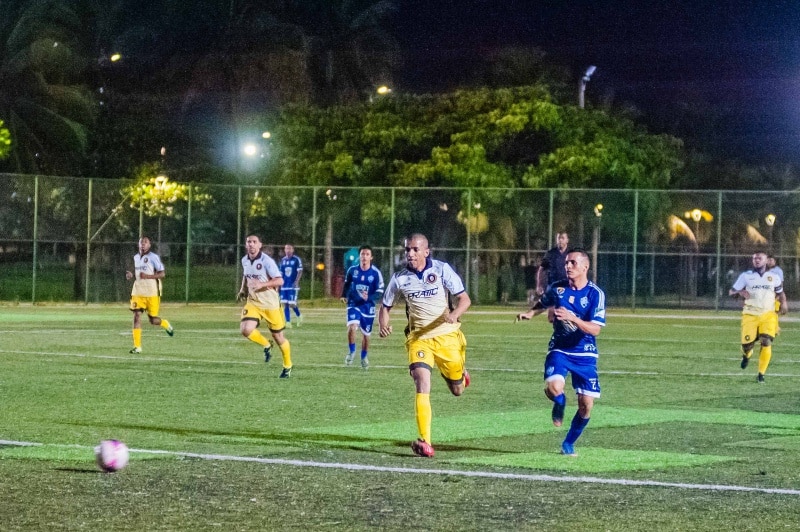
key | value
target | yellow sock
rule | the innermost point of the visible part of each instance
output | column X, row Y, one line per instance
column 137, row 338
column 164, row 324
column 258, row 338
column 424, row 415
column 763, row 358
column 286, row 352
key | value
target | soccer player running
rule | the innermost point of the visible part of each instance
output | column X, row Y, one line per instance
column 761, row 289
column 292, row 270
column 577, row 308
column 260, row 284
column 433, row 335
column 146, row 291
column 363, row 287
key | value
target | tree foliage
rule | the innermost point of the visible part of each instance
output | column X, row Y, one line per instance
column 43, row 102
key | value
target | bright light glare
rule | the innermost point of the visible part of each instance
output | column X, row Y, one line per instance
column 115, row 57
column 266, row 135
column 383, row 89
column 250, row 149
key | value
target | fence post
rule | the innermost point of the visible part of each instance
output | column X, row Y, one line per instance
column 35, row 236
column 313, row 239
column 88, row 244
column 188, row 242
column 238, row 255
column 719, row 250
column 635, row 246
column 391, row 237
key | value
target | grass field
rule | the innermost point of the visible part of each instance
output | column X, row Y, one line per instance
column 682, row 439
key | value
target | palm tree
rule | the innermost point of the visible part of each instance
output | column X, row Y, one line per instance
column 41, row 102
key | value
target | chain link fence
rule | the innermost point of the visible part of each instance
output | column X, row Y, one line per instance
column 72, row 239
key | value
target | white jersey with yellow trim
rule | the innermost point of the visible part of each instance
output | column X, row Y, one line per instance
column 762, row 290
column 426, row 295
column 262, row 268
column 149, row 263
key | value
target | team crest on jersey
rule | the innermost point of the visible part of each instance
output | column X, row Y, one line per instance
column 571, row 300
column 560, row 290
column 370, row 278
column 258, row 266
column 145, row 260
column 584, row 301
column 420, row 354
column 769, row 278
column 431, row 278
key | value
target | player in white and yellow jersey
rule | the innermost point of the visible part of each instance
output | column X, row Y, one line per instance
column 760, row 289
column 146, row 292
column 260, row 285
column 433, row 335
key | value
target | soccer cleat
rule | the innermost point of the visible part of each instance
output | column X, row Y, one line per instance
column 135, row 351
column 558, row 414
column 745, row 361
column 364, row 363
column 760, row 378
column 170, row 331
column 286, row 373
column 568, row 449
column 288, row 324
column 466, row 378
column 267, row 353
column 348, row 359
column 299, row 320
column 422, row 448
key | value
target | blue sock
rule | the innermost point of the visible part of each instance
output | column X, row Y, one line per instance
column 286, row 314
column 363, row 354
column 576, row 428
column 560, row 399
column 297, row 311
column 352, row 348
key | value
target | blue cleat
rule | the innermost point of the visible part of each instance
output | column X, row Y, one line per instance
column 567, row 449
column 286, row 373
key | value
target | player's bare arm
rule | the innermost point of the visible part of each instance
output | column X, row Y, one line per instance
column 784, row 307
column 383, row 322
column 742, row 293
column 587, row 327
column 535, row 310
column 463, row 304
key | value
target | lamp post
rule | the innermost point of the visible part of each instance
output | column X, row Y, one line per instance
column 770, row 219
column 598, row 213
column 582, row 85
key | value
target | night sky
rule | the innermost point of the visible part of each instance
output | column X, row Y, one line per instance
column 740, row 57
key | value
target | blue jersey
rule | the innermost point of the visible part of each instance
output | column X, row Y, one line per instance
column 362, row 286
column 290, row 268
column 588, row 304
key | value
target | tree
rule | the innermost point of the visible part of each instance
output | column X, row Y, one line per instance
column 44, row 106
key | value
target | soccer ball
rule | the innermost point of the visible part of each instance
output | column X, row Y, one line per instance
column 112, row 455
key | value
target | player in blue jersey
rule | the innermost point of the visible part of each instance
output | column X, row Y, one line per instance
column 363, row 287
column 577, row 308
column 292, row 269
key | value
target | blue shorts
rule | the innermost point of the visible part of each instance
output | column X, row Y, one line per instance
column 585, row 379
column 289, row 295
column 363, row 316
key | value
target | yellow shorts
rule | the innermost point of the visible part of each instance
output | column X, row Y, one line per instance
column 448, row 352
column 274, row 318
column 754, row 326
column 149, row 304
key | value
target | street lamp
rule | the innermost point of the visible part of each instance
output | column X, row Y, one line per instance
column 582, row 85
column 770, row 219
column 598, row 213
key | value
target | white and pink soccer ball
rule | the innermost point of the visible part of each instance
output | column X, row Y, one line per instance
column 112, row 455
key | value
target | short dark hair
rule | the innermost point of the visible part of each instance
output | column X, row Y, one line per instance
column 365, row 246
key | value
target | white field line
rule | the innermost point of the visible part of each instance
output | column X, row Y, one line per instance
column 536, row 371
column 450, row 472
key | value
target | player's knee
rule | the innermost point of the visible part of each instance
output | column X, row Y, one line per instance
column 766, row 341
column 748, row 347
column 154, row 320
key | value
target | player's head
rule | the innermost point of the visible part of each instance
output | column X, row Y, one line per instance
column 577, row 264
column 253, row 245
column 144, row 245
column 759, row 260
column 365, row 256
column 417, row 251
column 562, row 240
column 771, row 262
column 288, row 249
